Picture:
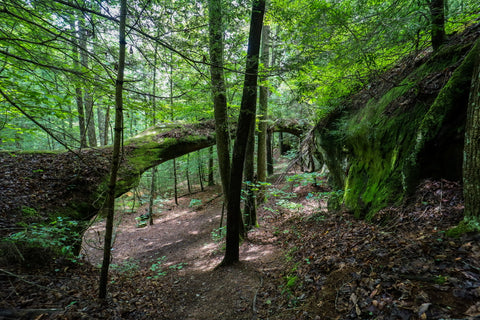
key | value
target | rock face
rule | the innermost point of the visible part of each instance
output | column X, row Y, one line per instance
column 406, row 127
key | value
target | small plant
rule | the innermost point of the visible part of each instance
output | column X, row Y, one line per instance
column 278, row 193
column 127, row 267
column 194, row 202
column 157, row 268
column 28, row 212
column 178, row 266
column 142, row 220
column 290, row 280
column 289, row 205
column 305, row 178
column 219, row 234
column 55, row 236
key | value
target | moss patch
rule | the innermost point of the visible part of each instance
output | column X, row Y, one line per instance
column 381, row 141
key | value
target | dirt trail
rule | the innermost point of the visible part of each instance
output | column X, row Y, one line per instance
column 182, row 235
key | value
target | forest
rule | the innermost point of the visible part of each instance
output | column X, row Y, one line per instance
column 264, row 159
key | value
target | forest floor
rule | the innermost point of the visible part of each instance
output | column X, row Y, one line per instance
column 301, row 263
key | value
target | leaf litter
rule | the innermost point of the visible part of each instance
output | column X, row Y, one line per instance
column 300, row 264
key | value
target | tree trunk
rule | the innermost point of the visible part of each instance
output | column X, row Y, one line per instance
column 175, row 181
column 283, row 148
column 101, row 125
column 263, row 118
column 107, row 125
column 110, row 202
column 153, row 195
column 78, row 92
column 246, row 117
column 219, row 92
column 153, row 184
column 471, row 164
column 200, row 170
column 269, row 153
column 187, row 174
column 211, row 179
column 437, row 13
column 87, row 94
column 250, row 208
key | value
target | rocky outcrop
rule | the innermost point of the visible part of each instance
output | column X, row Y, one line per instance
column 385, row 139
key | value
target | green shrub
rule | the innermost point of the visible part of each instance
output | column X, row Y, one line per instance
column 41, row 242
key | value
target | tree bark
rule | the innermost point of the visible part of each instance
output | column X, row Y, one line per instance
column 110, row 202
column 246, row 117
column 269, row 153
column 78, row 92
column 250, row 212
column 87, row 94
column 101, row 126
column 471, row 160
column 263, row 118
column 219, row 92
column 211, row 179
column 437, row 13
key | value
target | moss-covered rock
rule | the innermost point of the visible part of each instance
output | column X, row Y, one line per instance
column 386, row 144
column 38, row 187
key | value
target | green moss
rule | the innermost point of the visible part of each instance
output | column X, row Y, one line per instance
column 464, row 227
column 383, row 139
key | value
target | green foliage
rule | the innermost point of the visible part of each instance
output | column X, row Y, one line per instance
column 305, row 178
column 157, row 268
column 127, row 267
column 194, row 202
column 56, row 237
column 29, row 212
column 468, row 225
column 219, row 234
column 289, row 205
column 178, row 266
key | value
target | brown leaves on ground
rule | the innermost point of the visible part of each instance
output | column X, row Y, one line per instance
column 300, row 264
column 401, row 266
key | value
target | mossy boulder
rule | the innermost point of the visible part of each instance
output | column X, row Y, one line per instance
column 390, row 136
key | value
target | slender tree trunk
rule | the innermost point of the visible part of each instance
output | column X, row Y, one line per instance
column 153, row 184
column 200, row 170
column 246, row 117
column 269, row 153
column 471, row 159
column 110, row 201
column 250, row 207
column 78, row 91
column 219, row 94
column 87, row 94
column 211, row 180
column 175, row 181
column 263, row 118
column 81, row 117
column 437, row 13
column 187, row 174
column 107, row 126
column 101, row 125
column 281, row 143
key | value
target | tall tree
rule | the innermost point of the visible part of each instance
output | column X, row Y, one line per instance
column 78, row 89
column 87, row 91
column 437, row 13
column 245, row 119
column 250, row 208
column 110, row 201
column 219, row 91
column 471, row 159
column 263, row 116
